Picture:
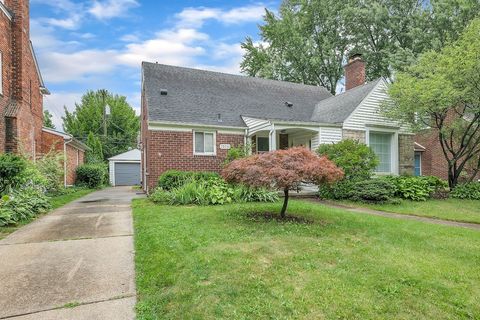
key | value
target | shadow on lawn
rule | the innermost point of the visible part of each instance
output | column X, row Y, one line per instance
column 269, row 216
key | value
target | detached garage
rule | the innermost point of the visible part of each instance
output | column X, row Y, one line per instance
column 125, row 168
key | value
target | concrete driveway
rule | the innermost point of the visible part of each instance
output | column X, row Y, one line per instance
column 75, row 263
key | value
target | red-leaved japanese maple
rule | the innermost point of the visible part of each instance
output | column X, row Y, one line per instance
column 282, row 170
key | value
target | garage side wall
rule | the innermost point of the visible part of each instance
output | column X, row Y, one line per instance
column 174, row 150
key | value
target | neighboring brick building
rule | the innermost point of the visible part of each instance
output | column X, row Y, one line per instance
column 21, row 86
column 190, row 118
column 73, row 151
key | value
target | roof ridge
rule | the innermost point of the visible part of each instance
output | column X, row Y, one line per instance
column 236, row 75
column 353, row 89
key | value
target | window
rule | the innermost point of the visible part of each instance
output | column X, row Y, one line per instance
column 381, row 144
column 262, row 144
column 204, row 143
column 418, row 164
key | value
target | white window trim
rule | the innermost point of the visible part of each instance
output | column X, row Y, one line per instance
column 394, row 149
column 214, row 153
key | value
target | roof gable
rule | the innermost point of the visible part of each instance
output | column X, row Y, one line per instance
column 213, row 98
column 338, row 108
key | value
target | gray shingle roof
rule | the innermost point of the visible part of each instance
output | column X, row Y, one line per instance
column 337, row 108
column 198, row 96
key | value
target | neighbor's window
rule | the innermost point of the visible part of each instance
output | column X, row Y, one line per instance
column 204, row 142
column 418, row 163
column 262, row 144
column 381, row 144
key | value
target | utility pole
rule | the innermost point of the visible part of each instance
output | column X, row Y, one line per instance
column 104, row 93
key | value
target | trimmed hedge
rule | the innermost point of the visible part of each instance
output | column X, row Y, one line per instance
column 91, row 175
column 373, row 190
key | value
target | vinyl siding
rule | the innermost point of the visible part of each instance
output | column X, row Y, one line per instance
column 368, row 112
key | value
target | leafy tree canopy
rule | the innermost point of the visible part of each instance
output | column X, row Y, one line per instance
column 122, row 124
column 47, row 119
column 308, row 40
column 442, row 91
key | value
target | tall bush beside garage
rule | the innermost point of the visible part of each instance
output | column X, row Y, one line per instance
column 91, row 175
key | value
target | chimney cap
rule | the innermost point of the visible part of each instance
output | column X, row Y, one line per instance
column 354, row 56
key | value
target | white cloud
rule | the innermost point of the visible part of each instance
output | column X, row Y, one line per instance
column 55, row 103
column 62, row 67
column 168, row 47
column 104, row 10
column 70, row 23
column 196, row 16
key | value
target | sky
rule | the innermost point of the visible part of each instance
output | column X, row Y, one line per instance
column 99, row 44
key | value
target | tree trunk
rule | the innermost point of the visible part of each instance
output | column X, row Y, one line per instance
column 285, row 203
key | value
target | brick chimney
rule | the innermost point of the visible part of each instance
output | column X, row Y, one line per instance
column 354, row 71
column 20, row 46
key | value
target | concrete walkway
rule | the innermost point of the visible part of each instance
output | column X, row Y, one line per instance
column 474, row 226
column 74, row 263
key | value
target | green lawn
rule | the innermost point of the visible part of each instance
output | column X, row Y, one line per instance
column 219, row 263
column 55, row 201
column 448, row 209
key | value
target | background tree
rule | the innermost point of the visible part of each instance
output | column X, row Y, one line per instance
column 95, row 154
column 309, row 40
column 47, row 119
column 442, row 91
column 119, row 131
column 282, row 170
column 306, row 43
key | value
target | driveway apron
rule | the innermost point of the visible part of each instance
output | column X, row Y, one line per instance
column 74, row 263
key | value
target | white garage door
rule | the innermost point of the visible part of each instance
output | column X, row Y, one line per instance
column 127, row 174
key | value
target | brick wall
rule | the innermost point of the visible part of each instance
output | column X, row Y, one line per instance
column 433, row 160
column 74, row 156
column 406, row 154
column 354, row 135
column 21, row 81
column 6, row 53
column 174, row 150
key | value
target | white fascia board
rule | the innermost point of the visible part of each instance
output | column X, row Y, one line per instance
column 188, row 127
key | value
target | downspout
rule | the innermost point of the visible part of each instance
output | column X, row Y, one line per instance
column 272, row 137
column 65, row 142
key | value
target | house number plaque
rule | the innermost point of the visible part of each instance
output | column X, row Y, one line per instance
column 225, row 146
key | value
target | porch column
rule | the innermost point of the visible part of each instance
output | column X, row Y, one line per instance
column 272, row 139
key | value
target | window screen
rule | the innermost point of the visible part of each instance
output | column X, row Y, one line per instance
column 262, row 144
column 381, row 144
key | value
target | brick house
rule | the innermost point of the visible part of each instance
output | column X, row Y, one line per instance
column 22, row 87
column 73, row 151
column 190, row 118
column 21, row 93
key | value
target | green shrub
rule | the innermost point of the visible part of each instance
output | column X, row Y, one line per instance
column 373, row 190
column 469, row 190
column 160, row 196
column 211, row 191
column 416, row 188
column 11, row 169
column 238, row 152
column 357, row 160
column 51, row 168
column 173, row 179
column 337, row 191
column 22, row 205
column 91, row 175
